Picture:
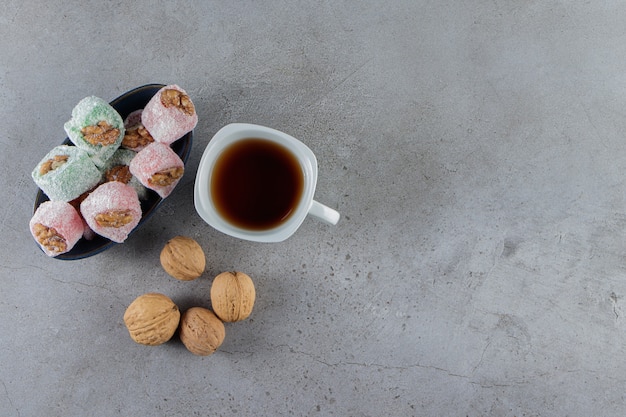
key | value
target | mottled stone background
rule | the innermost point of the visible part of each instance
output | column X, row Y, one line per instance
column 474, row 148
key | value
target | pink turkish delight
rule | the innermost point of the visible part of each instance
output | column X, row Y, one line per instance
column 158, row 168
column 56, row 226
column 169, row 114
column 112, row 210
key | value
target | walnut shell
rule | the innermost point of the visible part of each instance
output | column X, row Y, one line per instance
column 201, row 331
column 152, row 319
column 183, row 258
column 232, row 296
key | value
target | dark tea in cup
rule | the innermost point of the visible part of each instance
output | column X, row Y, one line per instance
column 256, row 184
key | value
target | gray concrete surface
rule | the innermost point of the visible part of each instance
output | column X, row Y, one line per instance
column 475, row 150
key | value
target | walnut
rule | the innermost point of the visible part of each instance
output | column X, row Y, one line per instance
column 137, row 136
column 174, row 98
column 183, row 258
column 152, row 319
column 52, row 164
column 232, row 296
column 76, row 202
column 166, row 177
column 201, row 331
column 114, row 218
column 100, row 134
column 50, row 238
column 119, row 173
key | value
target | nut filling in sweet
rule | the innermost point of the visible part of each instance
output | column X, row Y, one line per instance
column 114, row 218
column 52, row 164
column 137, row 136
column 166, row 177
column 49, row 238
column 120, row 173
column 175, row 98
column 101, row 134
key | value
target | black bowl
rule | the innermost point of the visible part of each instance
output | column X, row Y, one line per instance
column 125, row 104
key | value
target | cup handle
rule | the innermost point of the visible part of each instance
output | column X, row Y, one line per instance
column 324, row 213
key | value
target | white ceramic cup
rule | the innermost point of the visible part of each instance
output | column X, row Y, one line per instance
column 232, row 133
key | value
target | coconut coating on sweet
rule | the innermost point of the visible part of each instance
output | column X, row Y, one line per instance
column 169, row 114
column 56, row 227
column 112, row 210
column 65, row 173
column 158, row 167
column 96, row 127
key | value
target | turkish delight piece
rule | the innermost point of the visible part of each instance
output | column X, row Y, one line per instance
column 117, row 168
column 136, row 136
column 158, row 168
column 112, row 210
column 169, row 114
column 95, row 127
column 65, row 173
column 56, row 227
